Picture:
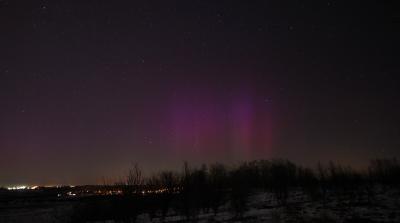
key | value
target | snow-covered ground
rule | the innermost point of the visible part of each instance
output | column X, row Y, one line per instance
column 262, row 207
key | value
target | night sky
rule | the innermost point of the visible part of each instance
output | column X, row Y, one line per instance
column 88, row 87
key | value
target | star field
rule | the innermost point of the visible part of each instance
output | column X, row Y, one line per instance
column 87, row 87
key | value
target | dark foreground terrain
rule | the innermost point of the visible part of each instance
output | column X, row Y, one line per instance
column 259, row 191
column 261, row 207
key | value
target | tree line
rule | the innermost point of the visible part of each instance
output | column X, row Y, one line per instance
column 207, row 188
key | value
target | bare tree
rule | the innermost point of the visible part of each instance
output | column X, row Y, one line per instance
column 135, row 177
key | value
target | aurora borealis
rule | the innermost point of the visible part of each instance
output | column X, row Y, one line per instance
column 87, row 87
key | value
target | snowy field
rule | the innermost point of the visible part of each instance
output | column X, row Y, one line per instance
column 261, row 207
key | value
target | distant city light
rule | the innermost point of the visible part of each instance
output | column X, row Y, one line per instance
column 71, row 194
column 17, row 188
column 23, row 187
